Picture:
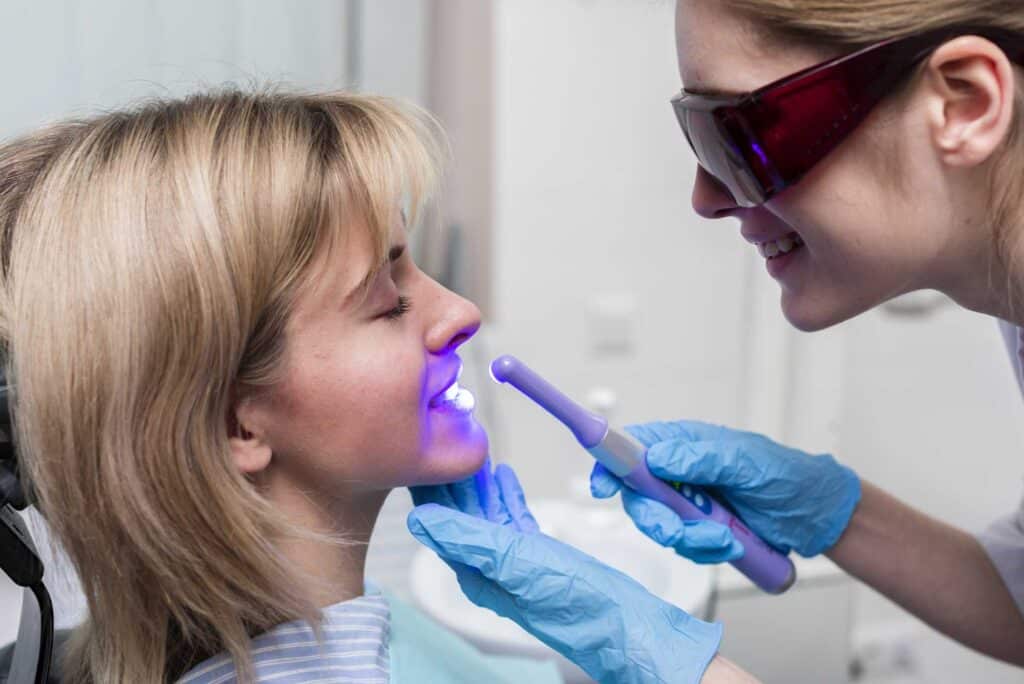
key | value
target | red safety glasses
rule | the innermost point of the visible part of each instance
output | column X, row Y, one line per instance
column 760, row 143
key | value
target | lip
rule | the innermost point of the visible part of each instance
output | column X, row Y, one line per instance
column 780, row 265
column 451, row 374
column 761, row 238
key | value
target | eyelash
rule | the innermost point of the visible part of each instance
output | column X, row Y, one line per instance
column 404, row 304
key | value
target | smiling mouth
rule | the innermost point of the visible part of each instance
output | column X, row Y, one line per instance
column 454, row 397
column 781, row 247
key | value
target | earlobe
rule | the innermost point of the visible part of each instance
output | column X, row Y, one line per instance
column 250, row 455
column 249, row 451
column 973, row 92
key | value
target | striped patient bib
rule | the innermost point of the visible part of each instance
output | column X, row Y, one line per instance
column 354, row 649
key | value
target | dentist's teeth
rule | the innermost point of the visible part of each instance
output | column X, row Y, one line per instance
column 775, row 248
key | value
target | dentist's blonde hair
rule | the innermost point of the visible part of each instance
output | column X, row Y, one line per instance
column 149, row 260
column 838, row 26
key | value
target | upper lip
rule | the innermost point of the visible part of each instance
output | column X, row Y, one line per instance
column 762, row 238
column 451, row 374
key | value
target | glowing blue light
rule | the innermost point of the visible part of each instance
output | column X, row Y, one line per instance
column 464, row 400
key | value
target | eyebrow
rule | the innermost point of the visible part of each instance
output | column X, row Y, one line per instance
column 711, row 92
column 394, row 254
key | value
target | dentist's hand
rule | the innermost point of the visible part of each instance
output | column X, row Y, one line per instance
column 491, row 495
column 595, row 616
column 791, row 499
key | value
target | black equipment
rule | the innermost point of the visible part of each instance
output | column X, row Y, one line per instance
column 20, row 560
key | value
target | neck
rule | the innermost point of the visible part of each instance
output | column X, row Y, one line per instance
column 335, row 571
column 984, row 267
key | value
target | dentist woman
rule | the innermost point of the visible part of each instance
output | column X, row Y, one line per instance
column 880, row 152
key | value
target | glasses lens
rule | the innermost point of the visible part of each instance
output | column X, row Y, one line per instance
column 719, row 156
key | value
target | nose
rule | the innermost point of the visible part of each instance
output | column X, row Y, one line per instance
column 711, row 199
column 457, row 319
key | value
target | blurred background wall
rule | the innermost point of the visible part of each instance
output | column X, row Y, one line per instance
column 567, row 217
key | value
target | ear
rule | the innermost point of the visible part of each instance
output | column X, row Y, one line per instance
column 971, row 104
column 250, row 452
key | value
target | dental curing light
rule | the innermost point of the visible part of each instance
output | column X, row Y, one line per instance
column 625, row 457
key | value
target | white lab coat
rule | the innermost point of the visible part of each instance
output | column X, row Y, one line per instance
column 1004, row 539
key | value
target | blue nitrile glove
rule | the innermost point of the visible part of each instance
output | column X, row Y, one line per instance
column 789, row 498
column 595, row 616
column 481, row 495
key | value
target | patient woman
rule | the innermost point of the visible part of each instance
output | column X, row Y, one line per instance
column 224, row 359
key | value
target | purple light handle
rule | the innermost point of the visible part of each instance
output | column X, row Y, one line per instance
column 588, row 427
column 626, row 457
column 763, row 565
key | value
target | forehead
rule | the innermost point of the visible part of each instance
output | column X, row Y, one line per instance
column 720, row 50
column 339, row 268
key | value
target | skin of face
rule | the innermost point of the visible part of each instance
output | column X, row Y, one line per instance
column 893, row 209
column 351, row 418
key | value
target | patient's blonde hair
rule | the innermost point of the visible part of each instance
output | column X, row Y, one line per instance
column 149, row 259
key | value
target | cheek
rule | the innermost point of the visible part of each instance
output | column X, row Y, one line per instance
column 353, row 416
column 856, row 258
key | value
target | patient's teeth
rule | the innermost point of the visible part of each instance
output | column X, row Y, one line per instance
column 786, row 245
column 771, row 249
column 451, row 392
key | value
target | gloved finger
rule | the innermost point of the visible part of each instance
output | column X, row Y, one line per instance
column 489, row 495
column 703, row 556
column 650, row 434
column 467, row 494
column 478, row 589
column 514, row 499
column 603, row 485
column 502, row 554
column 719, row 463
column 437, row 494
column 663, row 525
column 458, row 537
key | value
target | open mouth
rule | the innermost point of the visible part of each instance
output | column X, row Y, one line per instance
column 781, row 247
column 454, row 397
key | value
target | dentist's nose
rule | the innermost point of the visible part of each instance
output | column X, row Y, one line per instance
column 711, row 199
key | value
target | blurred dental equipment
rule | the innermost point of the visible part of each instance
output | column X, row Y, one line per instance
column 625, row 458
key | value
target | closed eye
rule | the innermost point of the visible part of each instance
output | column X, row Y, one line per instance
column 402, row 308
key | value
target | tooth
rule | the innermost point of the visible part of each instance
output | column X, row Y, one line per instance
column 451, row 392
column 786, row 245
column 771, row 249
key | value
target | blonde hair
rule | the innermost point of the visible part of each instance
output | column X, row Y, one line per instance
column 844, row 26
column 149, row 260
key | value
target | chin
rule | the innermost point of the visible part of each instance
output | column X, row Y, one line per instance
column 812, row 316
column 454, row 457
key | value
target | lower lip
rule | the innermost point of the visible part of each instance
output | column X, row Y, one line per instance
column 778, row 265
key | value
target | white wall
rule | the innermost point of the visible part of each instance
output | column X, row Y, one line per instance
column 932, row 413
column 593, row 181
column 71, row 56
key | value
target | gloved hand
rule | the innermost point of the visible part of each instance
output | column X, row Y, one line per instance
column 491, row 495
column 791, row 499
column 597, row 617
